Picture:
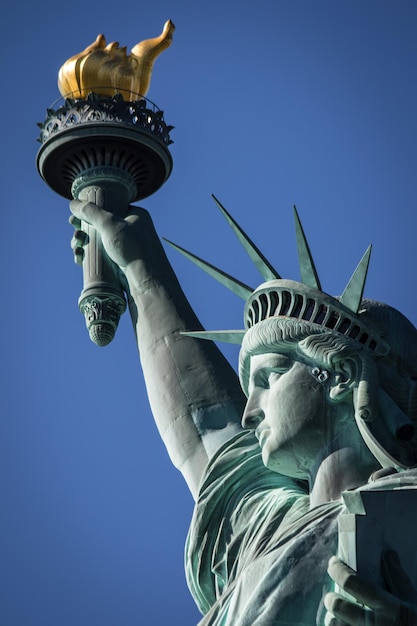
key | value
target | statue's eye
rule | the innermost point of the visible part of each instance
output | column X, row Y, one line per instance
column 269, row 376
column 270, row 372
column 272, row 377
column 280, row 365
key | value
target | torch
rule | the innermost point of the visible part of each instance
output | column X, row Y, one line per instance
column 106, row 144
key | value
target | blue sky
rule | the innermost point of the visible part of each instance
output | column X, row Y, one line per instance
column 274, row 103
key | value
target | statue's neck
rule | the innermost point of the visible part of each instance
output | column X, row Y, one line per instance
column 343, row 468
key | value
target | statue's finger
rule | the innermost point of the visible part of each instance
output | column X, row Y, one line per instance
column 331, row 620
column 81, row 237
column 346, row 612
column 75, row 221
column 78, row 240
column 78, row 255
column 363, row 591
column 91, row 213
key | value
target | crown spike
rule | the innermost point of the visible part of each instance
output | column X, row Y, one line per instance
column 239, row 288
column 260, row 262
column 352, row 295
column 308, row 270
column 226, row 336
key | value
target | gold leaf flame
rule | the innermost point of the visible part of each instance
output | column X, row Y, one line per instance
column 108, row 69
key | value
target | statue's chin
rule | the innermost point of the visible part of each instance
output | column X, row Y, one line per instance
column 283, row 462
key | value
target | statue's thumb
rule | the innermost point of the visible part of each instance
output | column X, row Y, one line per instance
column 88, row 212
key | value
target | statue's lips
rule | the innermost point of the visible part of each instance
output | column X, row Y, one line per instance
column 262, row 434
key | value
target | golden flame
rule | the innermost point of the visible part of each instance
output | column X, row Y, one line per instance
column 107, row 69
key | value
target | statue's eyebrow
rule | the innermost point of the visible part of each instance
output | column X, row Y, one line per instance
column 271, row 363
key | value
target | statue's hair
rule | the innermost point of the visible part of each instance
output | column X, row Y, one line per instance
column 321, row 346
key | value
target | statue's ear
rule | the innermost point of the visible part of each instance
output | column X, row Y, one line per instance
column 345, row 378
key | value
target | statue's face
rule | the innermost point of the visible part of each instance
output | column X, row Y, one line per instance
column 287, row 408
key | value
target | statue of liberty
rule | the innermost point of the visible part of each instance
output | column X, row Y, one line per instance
column 330, row 383
column 331, row 407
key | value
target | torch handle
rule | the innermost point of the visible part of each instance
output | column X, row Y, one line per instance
column 102, row 299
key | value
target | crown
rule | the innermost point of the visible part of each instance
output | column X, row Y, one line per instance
column 107, row 69
column 281, row 298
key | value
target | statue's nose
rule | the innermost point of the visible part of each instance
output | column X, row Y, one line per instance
column 253, row 413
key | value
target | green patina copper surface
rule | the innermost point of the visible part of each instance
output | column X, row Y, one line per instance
column 331, row 398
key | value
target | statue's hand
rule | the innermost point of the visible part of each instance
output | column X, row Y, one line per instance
column 374, row 606
column 121, row 237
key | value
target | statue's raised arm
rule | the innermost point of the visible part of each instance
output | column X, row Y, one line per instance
column 194, row 392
